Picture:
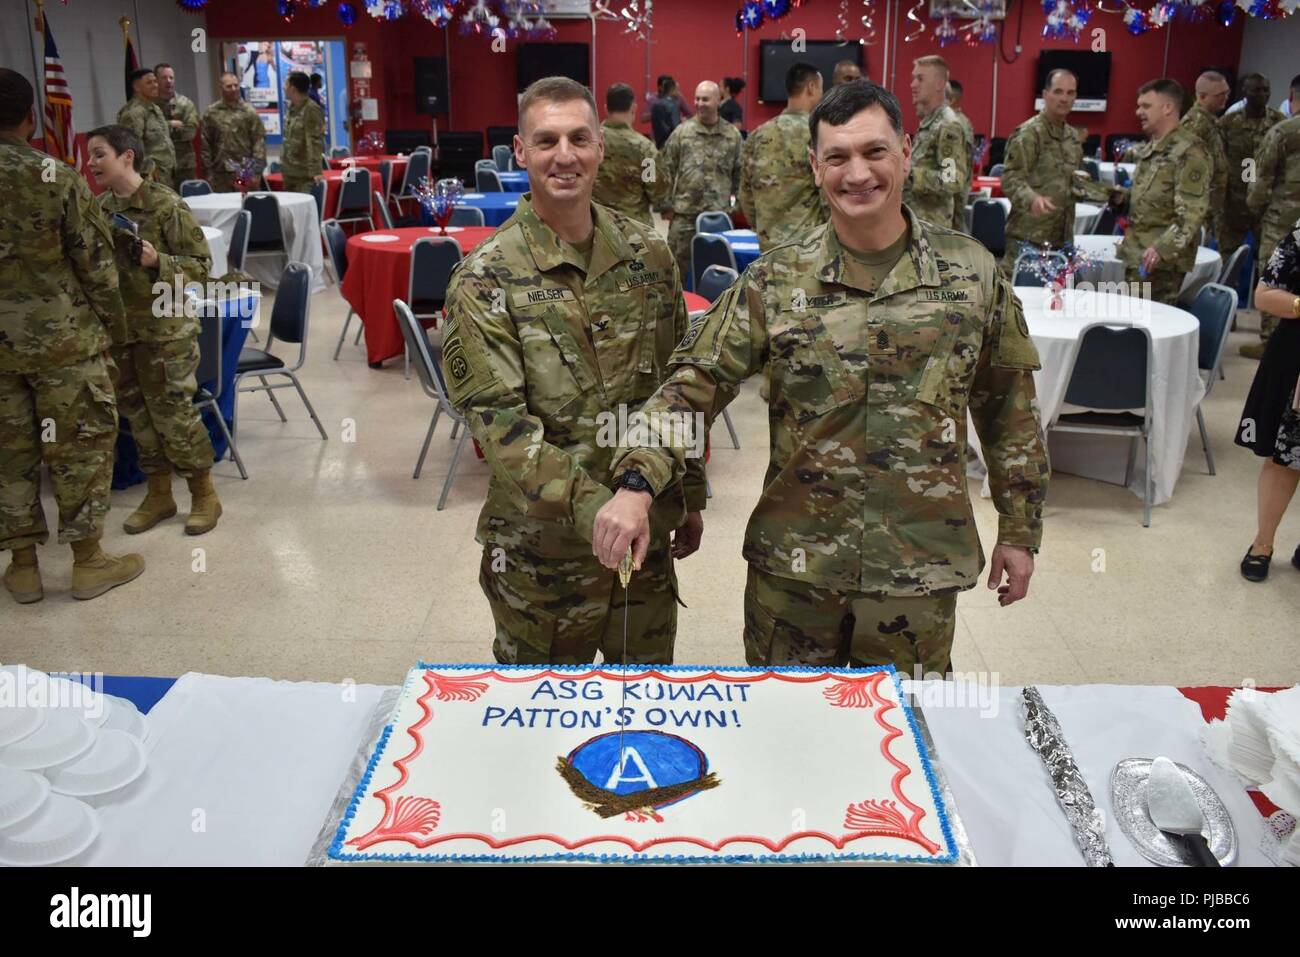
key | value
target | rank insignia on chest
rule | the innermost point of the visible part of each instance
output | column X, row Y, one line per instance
column 880, row 340
column 548, row 294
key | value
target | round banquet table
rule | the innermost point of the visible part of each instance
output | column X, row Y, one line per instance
column 744, row 246
column 371, row 163
column 515, row 180
column 298, row 217
column 334, row 183
column 379, row 271
column 992, row 183
column 218, row 250
column 497, row 207
column 1208, row 261
column 1107, row 171
column 1177, row 385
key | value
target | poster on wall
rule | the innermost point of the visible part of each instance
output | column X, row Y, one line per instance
column 263, row 68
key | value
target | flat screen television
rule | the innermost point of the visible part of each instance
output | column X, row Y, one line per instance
column 1092, row 69
column 537, row 61
column 776, row 57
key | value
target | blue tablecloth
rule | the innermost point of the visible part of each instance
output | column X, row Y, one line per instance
column 126, row 464
column 744, row 246
column 497, row 207
column 143, row 692
column 515, row 181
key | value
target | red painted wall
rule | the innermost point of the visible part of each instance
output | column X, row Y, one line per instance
column 695, row 40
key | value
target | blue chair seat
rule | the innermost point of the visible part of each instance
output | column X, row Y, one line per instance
column 1114, row 420
column 257, row 360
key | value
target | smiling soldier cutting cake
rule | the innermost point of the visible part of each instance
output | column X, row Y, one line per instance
column 560, row 324
column 877, row 333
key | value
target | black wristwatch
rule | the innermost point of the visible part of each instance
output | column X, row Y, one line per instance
column 634, row 481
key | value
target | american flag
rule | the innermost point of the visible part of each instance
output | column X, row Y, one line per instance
column 60, row 137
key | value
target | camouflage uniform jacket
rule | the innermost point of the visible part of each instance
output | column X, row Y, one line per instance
column 778, row 194
column 232, row 134
column 941, row 168
column 169, row 226
column 1275, row 194
column 1168, row 201
column 869, row 392
column 621, row 182
column 1203, row 124
column 60, row 299
column 145, row 119
column 533, row 354
column 304, row 141
column 959, row 206
column 182, row 108
column 1042, row 159
column 701, row 167
column 1242, row 137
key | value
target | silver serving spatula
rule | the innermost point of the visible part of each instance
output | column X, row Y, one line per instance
column 1174, row 810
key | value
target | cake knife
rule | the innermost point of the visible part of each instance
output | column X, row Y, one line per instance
column 625, row 578
column 1173, row 808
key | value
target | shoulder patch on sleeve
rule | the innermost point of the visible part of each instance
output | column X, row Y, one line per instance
column 1012, row 346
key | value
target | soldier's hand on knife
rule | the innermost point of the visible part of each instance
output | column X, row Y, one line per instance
column 1150, row 259
column 1042, row 205
column 686, row 540
column 1018, row 565
column 622, row 521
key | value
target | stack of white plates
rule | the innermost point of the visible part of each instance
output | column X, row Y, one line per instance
column 63, row 748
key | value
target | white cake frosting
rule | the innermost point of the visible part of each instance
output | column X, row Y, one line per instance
column 499, row 763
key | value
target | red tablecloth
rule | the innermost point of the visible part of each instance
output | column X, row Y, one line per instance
column 333, row 181
column 379, row 272
column 994, row 183
column 1213, row 702
column 695, row 303
column 372, row 163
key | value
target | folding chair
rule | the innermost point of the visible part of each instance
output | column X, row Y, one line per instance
column 432, row 260
column 354, row 198
column 713, row 222
column 1214, row 307
column 211, row 348
column 195, row 187
column 710, row 249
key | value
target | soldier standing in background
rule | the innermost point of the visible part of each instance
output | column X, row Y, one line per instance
column 1169, row 199
column 233, row 136
column 157, row 358
column 1242, row 132
column 568, row 313
column 941, row 164
column 59, row 307
column 878, row 334
column 846, row 71
column 183, row 119
column 304, row 137
column 778, row 194
column 1042, row 177
column 143, row 117
column 952, row 96
column 628, row 179
column 1201, row 120
column 700, row 165
column 1274, row 197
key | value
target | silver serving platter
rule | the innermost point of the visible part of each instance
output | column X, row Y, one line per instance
column 1128, row 795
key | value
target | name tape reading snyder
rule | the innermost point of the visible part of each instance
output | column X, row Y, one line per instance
column 702, row 705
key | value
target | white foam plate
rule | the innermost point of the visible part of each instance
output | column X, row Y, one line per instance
column 63, row 827
column 113, row 761
column 379, row 239
column 123, row 715
column 63, row 736
column 21, row 795
column 64, row 694
column 450, row 229
column 18, row 723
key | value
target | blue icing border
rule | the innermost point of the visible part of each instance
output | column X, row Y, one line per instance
column 337, row 853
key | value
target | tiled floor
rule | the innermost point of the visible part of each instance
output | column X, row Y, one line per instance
column 330, row 561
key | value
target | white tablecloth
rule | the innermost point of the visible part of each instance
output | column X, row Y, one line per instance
column 1177, row 386
column 1208, row 261
column 217, row 249
column 298, row 216
column 1107, row 171
column 256, row 763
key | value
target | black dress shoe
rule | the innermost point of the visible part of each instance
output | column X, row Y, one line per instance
column 1254, row 568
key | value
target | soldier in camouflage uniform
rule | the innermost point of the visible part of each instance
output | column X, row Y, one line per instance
column 1242, row 132
column 59, row 306
column 778, row 194
column 878, row 333
column 233, row 135
column 941, row 164
column 1202, row 122
column 1273, row 199
column 183, row 118
column 546, row 338
column 1169, row 198
column 158, row 355
column 1042, row 176
column 144, row 117
column 628, row 179
column 700, row 164
column 304, row 137
column 952, row 96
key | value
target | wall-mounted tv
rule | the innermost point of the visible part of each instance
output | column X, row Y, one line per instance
column 1092, row 69
column 537, row 61
column 775, row 57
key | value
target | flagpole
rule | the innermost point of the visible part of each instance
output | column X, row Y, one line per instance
column 38, row 73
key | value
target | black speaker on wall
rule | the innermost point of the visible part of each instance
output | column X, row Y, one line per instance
column 431, row 84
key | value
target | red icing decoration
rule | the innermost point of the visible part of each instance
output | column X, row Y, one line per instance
column 849, row 694
column 882, row 821
column 640, row 817
column 455, row 689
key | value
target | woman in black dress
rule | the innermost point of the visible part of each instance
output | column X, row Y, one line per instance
column 1270, row 422
column 730, row 109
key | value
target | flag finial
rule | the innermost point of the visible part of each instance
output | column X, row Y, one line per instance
column 125, row 24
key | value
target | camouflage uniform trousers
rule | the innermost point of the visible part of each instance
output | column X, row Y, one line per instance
column 155, row 392
column 681, row 231
column 562, row 611
column 182, row 174
column 1165, row 283
column 76, row 403
column 788, row 622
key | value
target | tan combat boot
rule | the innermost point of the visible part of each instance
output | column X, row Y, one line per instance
column 94, row 573
column 158, row 505
column 23, row 576
column 205, row 508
